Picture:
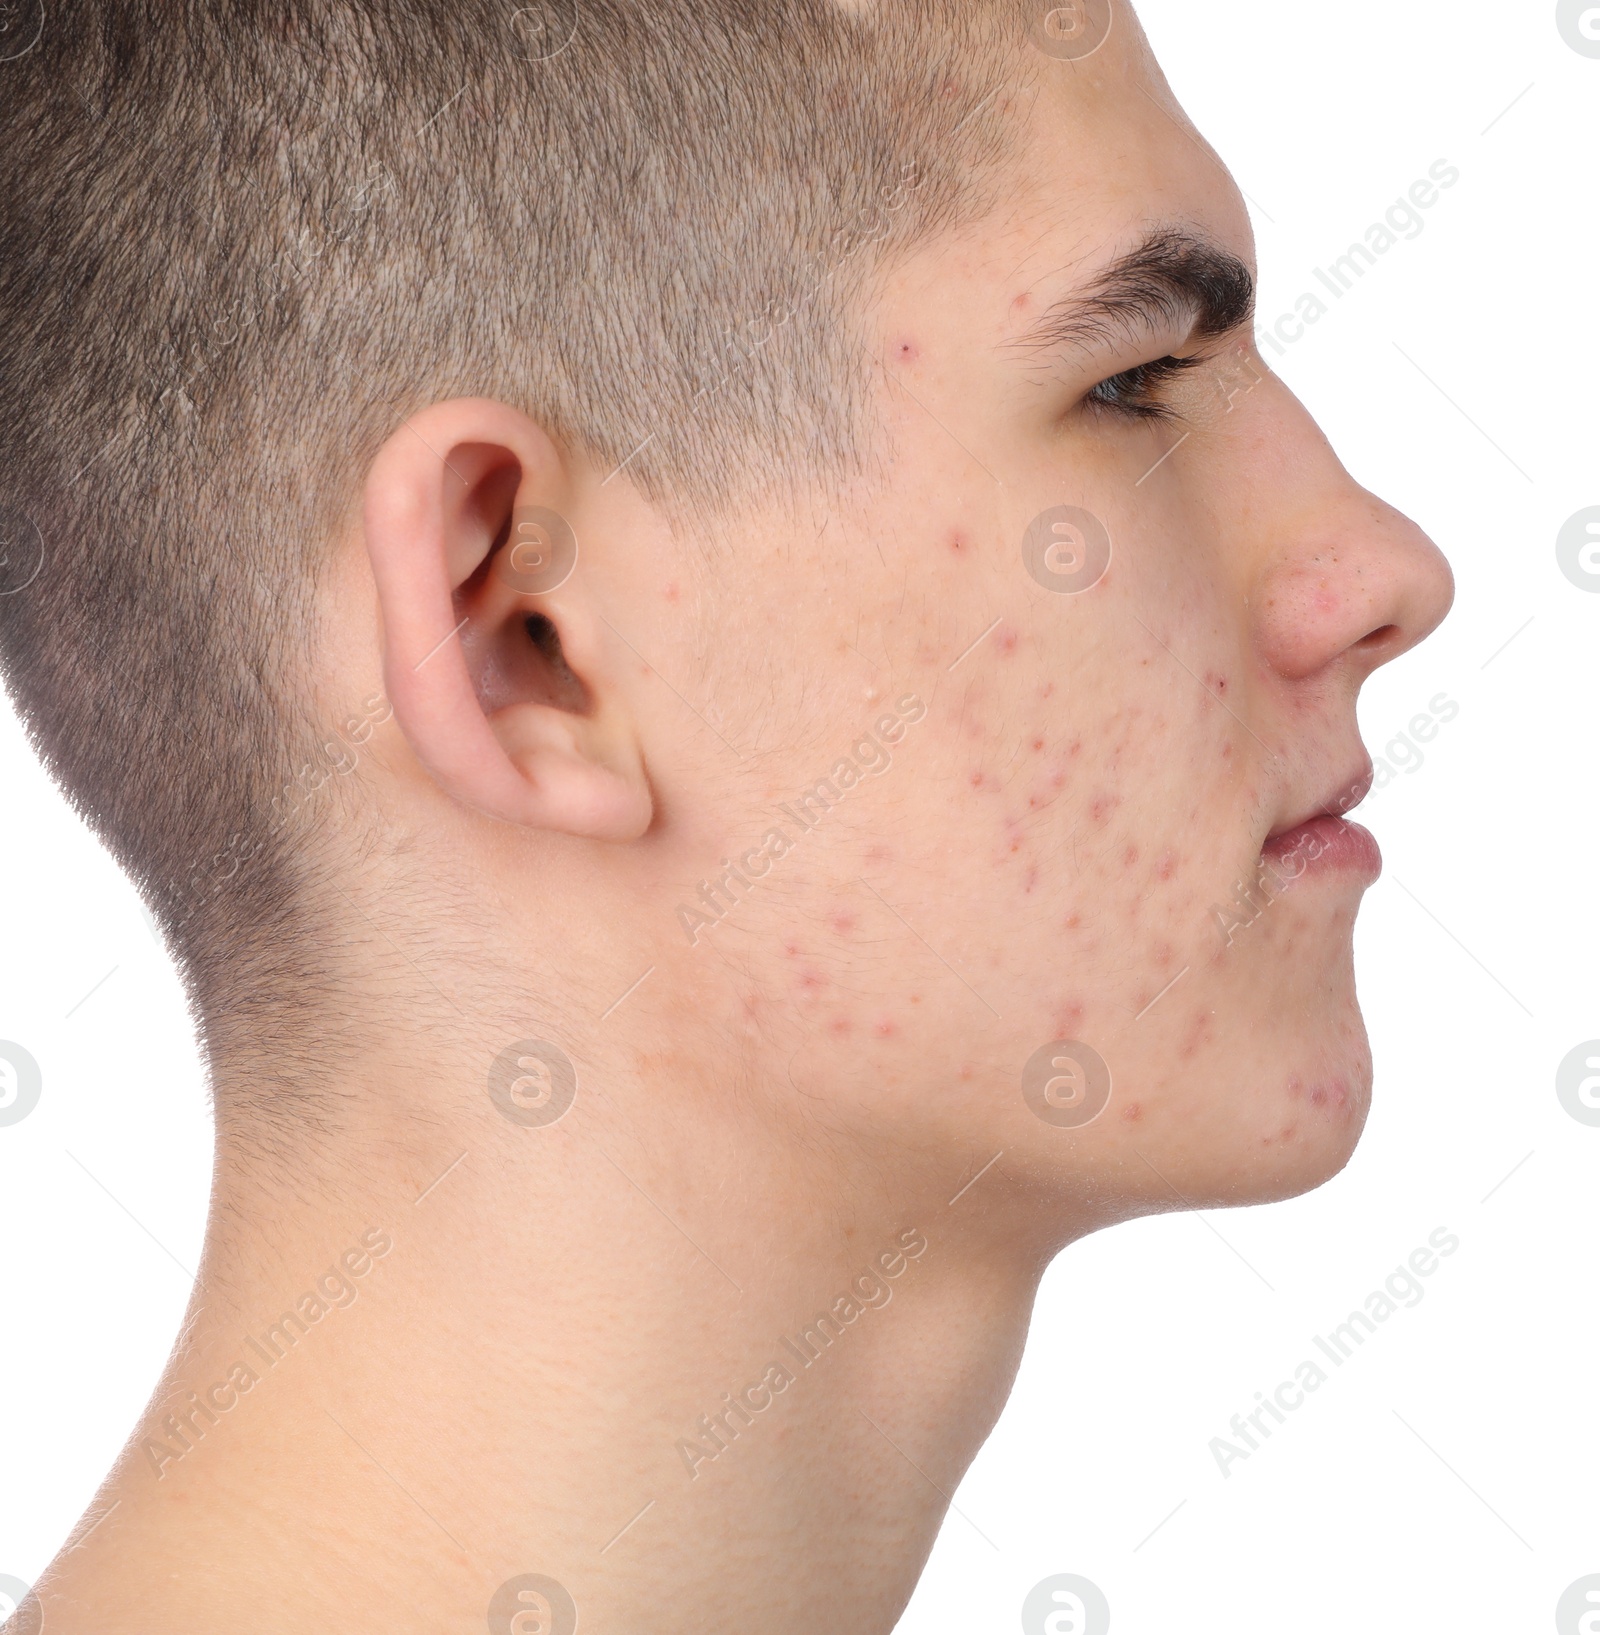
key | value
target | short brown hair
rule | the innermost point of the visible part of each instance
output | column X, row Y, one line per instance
column 240, row 240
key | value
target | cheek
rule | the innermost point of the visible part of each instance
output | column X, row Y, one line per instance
column 1109, row 835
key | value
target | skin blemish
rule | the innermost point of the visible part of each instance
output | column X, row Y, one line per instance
column 670, row 590
column 1037, row 746
column 791, row 947
column 1130, row 857
column 1005, row 641
column 1102, row 806
column 1021, row 303
column 1030, row 882
column 1068, row 1018
column 885, row 1028
column 1197, row 1034
column 908, row 352
column 1167, row 867
column 958, row 542
column 1132, row 1113
column 843, row 922
column 840, row 1027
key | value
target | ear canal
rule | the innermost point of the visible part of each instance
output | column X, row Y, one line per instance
column 567, row 690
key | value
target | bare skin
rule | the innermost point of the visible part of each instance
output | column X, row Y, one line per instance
column 804, row 1096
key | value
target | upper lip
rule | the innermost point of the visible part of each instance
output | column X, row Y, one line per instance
column 1344, row 798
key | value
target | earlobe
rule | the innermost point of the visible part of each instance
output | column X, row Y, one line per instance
column 508, row 692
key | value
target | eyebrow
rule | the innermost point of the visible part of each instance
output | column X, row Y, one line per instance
column 1172, row 275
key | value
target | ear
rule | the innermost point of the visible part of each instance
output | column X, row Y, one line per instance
column 495, row 659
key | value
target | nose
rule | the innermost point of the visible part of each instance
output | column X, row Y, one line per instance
column 1347, row 583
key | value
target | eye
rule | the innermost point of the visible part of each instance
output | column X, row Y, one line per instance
column 1137, row 392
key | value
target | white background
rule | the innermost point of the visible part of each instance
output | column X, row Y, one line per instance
column 1444, row 1478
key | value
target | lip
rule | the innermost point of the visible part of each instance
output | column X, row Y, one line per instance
column 1325, row 845
column 1346, row 798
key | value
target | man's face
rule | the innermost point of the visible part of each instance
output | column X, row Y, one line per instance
column 1023, row 789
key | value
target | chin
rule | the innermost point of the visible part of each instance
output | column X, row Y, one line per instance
column 1302, row 1117
column 1272, row 1111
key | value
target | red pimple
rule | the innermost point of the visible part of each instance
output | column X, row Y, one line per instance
column 885, row 1028
column 1006, row 640
column 1069, row 1014
column 1132, row 1113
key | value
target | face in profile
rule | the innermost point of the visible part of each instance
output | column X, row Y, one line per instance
column 1034, row 840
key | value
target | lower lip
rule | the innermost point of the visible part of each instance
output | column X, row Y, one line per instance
column 1325, row 845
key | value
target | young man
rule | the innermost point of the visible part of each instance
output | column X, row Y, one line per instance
column 735, row 687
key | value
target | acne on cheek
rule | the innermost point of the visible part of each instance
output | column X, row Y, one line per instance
column 1197, row 1035
column 1068, row 1019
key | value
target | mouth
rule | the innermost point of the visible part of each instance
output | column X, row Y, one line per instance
column 1324, row 841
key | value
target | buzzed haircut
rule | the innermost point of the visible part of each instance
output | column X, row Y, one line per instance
column 241, row 241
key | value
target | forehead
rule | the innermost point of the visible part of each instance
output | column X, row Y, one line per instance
column 1104, row 154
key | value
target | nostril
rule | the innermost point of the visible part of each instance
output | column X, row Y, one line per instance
column 1383, row 636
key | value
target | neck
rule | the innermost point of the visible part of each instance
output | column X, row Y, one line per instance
column 451, row 1360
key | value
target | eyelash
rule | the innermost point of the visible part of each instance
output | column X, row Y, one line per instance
column 1135, row 393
